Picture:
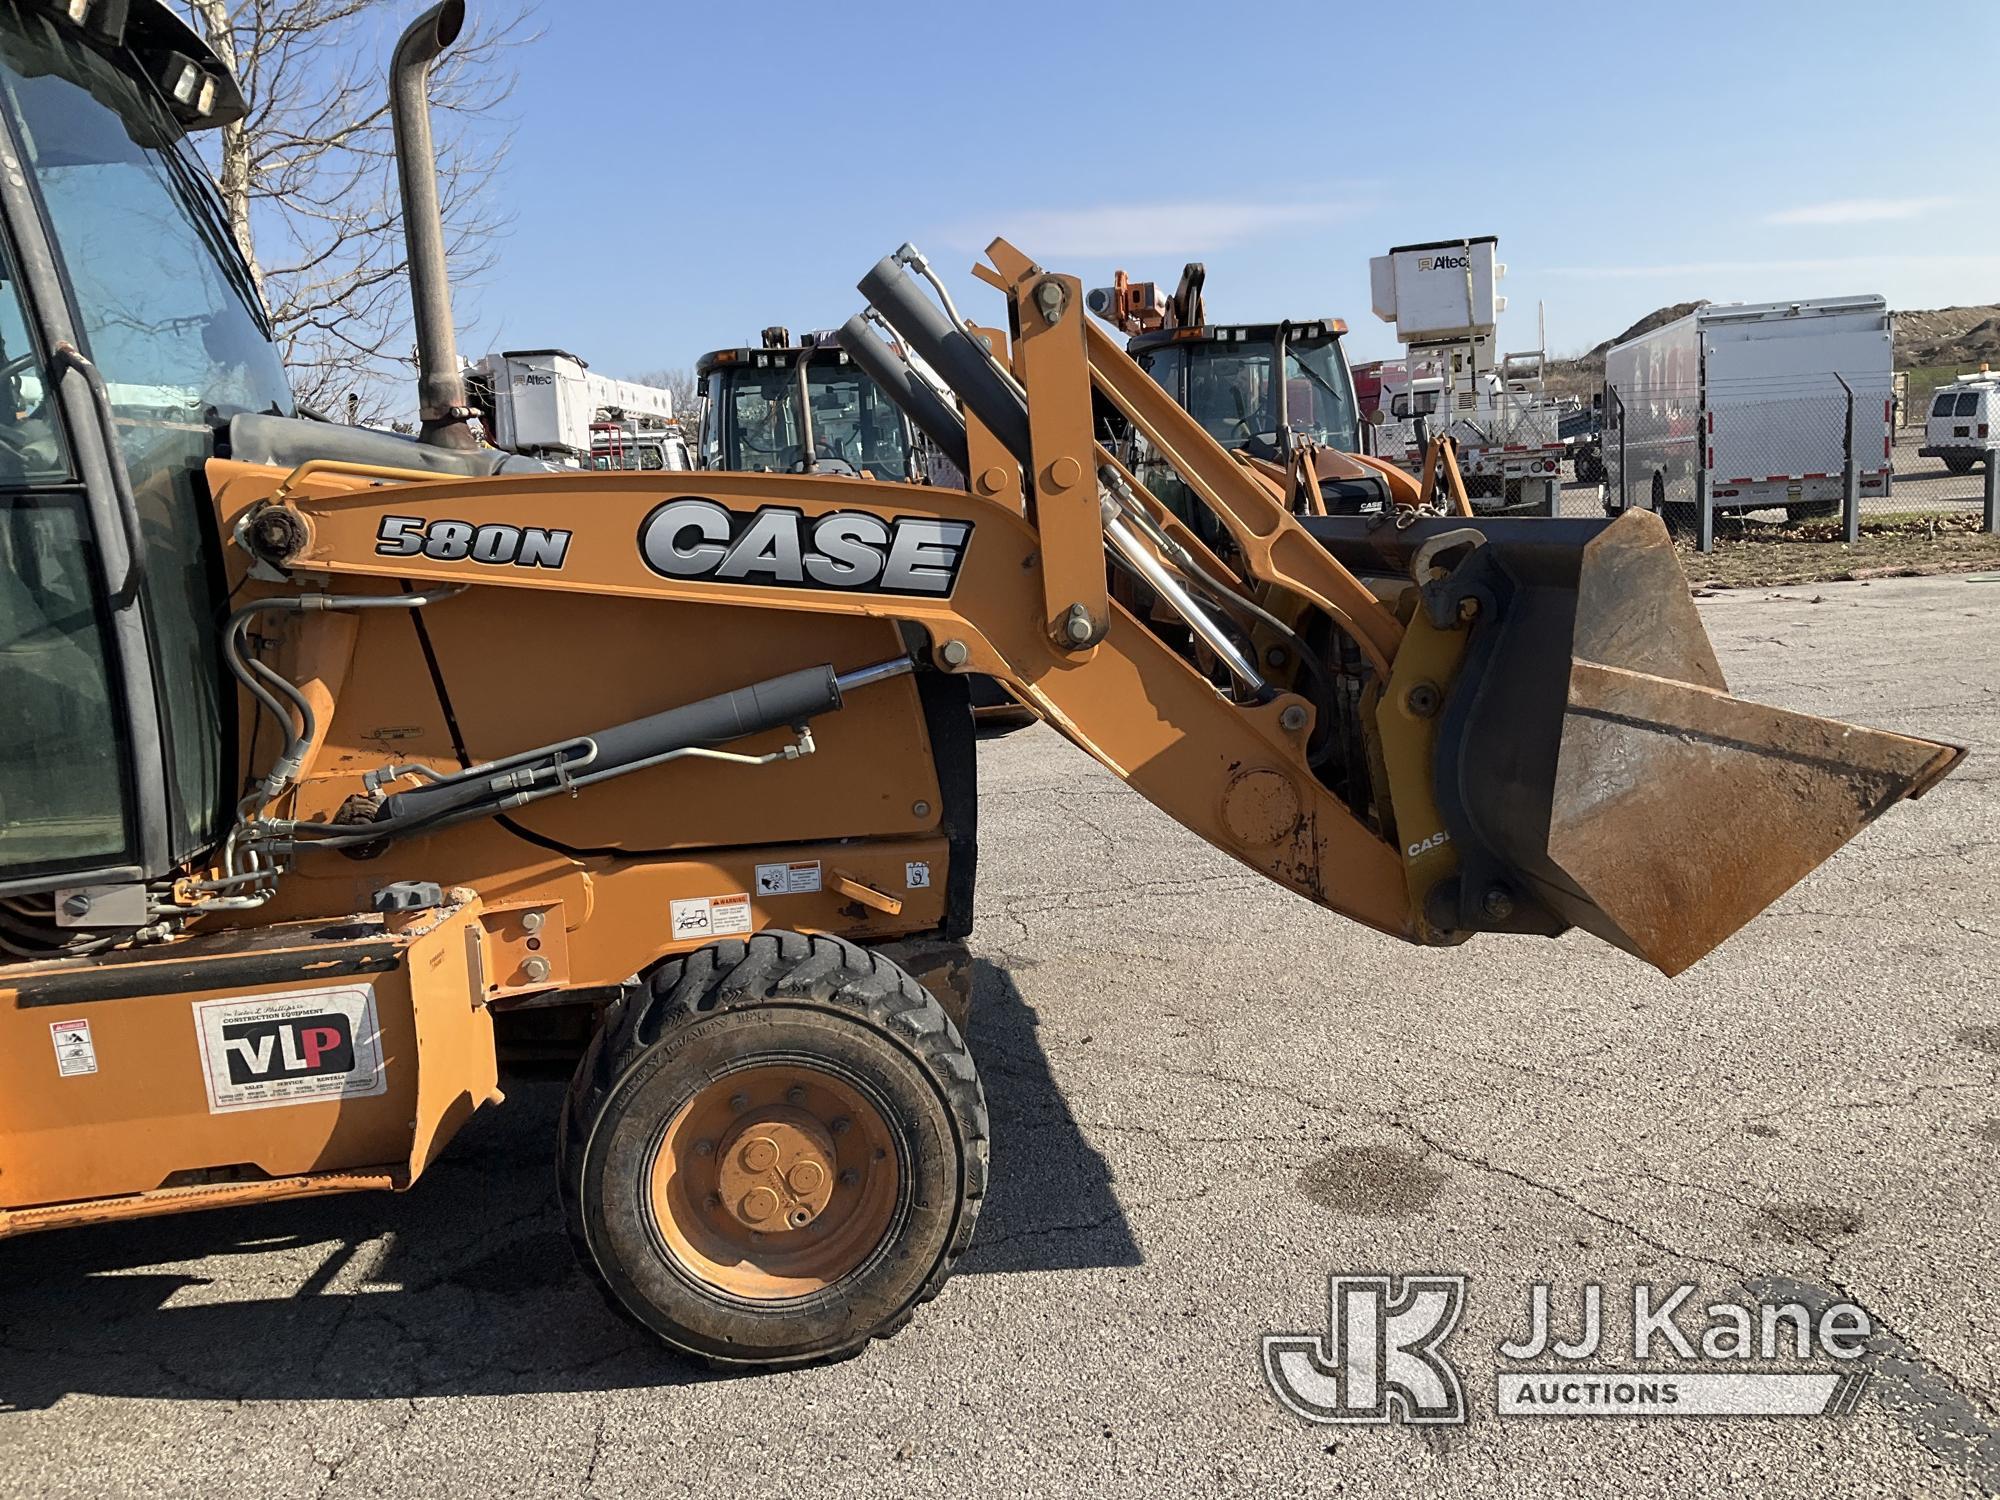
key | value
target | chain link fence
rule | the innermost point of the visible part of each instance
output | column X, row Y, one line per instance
column 1803, row 454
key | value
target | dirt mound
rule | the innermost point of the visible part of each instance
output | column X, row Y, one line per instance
column 1656, row 319
column 1582, row 375
column 1947, row 336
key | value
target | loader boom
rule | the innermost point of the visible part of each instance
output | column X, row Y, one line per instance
column 1010, row 579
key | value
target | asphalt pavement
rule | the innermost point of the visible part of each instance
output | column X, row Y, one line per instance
column 1207, row 1095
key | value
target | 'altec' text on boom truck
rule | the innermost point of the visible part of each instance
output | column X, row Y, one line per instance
column 330, row 754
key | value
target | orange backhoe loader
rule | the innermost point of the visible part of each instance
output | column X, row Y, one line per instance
column 325, row 755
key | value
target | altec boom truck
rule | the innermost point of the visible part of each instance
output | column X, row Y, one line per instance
column 1442, row 300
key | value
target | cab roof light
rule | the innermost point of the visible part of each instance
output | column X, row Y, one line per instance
column 103, row 19
column 181, row 78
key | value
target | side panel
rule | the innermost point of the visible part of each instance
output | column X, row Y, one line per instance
column 1776, row 409
column 242, row 1058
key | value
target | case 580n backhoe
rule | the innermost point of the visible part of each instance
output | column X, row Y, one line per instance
column 324, row 753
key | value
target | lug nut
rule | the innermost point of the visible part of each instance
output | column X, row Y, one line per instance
column 849, row 1177
column 713, row 1200
column 796, row 1094
column 739, row 1102
column 840, row 1125
column 704, row 1148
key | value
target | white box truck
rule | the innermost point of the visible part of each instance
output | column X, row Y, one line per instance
column 1747, row 398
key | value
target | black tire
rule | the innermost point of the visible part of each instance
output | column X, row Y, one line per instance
column 1956, row 465
column 1818, row 510
column 777, row 997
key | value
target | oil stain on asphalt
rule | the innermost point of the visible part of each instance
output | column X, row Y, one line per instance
column 1371, row 1182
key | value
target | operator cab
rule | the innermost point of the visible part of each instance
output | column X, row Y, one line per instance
column 1227, row 378
column 130, row 337
column 763, row 408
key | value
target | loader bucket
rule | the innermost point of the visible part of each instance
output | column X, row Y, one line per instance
column 1592, row 761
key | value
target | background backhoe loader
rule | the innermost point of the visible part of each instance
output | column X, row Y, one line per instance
column 328, row 754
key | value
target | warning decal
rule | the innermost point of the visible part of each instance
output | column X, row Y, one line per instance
column 710, row 916
column 799, row 878
column 291, row 1047
column 76, row 1054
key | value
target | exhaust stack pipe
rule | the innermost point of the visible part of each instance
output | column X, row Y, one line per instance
column 442, row 407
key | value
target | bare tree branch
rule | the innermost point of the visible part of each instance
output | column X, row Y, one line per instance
column 308, row 179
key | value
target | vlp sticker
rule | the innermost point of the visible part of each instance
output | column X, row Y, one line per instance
column 291, row 1047
column 694, row 537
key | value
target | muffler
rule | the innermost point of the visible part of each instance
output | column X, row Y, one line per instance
column 1591, row 765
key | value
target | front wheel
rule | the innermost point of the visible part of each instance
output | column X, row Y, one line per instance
column 774, row 1150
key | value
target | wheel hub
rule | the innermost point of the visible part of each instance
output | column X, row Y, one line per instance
column 774, row 1181
column 777, row 1170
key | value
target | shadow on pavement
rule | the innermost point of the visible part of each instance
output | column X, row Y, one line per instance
column 465, row 1285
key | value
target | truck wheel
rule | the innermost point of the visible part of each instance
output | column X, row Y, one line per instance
column 1960, row 465
column 773, row 1150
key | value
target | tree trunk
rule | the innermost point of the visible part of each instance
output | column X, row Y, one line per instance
column 234, row 181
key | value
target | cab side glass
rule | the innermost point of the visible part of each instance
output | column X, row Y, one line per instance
column 62, row 771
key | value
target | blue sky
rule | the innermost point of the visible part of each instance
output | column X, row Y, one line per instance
column 684, row 174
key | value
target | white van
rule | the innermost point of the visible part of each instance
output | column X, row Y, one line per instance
column 1963, row 427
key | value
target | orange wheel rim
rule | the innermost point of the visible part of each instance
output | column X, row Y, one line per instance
column 774, row 1182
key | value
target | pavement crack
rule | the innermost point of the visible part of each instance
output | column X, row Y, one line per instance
column 1483, row 1164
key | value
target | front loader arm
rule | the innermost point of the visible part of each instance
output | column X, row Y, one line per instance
column 1232, row 773
column 1434, row 725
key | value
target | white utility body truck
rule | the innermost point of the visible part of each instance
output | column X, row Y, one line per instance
column 1749, row 399
column 549, row 404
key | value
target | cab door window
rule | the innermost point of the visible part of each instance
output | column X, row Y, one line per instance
column 62, row 745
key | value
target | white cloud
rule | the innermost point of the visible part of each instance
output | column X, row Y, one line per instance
column 1141, row 229
column 1857, row 211
column 1986, row 264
